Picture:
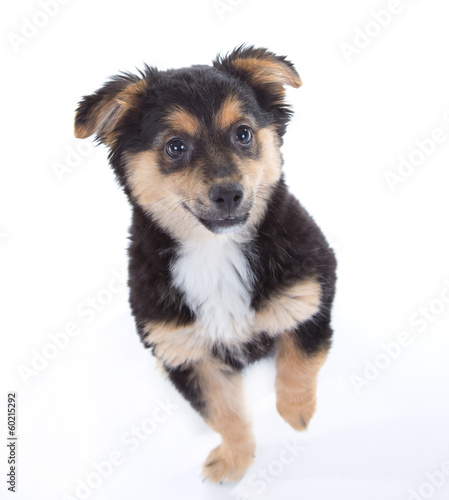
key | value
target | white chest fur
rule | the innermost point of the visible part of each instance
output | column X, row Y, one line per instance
column 216, row 279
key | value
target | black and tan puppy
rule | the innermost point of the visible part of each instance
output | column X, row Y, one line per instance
column 225, row 265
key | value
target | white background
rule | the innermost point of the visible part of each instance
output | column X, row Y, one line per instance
column 62, row 240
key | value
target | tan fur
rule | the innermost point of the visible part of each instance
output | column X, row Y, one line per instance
column 84, row 130
column 230, row 113
column 162, row 195
column 286, row 309
column 296, row 381
column 129, row 96
column 109, row 111
column 161, row 368
column 226, row 414
column 258, row 177
column 147, row 182
column 269, row 72
column 175, row 345
column 263, row 174
column 180, row 120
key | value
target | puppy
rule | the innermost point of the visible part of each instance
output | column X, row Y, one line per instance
column 225, row 266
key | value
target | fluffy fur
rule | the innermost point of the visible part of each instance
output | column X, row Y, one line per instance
column 225, row 265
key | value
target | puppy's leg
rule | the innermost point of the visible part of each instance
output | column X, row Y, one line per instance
column 296, row 378
column 217, row 393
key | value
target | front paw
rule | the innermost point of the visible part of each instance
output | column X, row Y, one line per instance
column 296, row 409
column 226, row 463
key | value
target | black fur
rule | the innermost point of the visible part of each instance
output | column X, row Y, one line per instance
column 150, row 254
column 287, row 245
column 188, row 384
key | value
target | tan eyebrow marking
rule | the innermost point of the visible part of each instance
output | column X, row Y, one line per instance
column 229, row 113
column 181, row 120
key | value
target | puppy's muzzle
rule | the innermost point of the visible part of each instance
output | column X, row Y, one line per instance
column 226, row 198
column 228, row 210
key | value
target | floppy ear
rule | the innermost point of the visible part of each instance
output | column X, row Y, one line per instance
column 100, row 112
column 262, row 70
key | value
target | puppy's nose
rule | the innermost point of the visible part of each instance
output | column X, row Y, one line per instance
column 226, row 197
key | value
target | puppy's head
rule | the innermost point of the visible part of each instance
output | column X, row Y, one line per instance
column 197, row 147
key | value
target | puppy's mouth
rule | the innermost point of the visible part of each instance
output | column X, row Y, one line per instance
column 227, row 225
column 219, row 224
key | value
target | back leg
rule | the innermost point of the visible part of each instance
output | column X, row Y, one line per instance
column 216, row 392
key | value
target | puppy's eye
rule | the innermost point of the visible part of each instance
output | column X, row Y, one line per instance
column 244, row 135
column 175, row 148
